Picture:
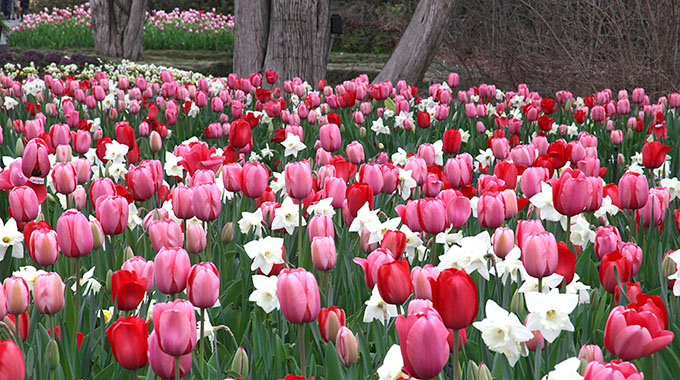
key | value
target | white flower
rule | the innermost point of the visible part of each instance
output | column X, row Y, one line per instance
column 251, row 221
column 579, row 288
column 438, row 152
column 172, row 166
column 549, row 313
column 10, row 103
column 673, row 186
column 193, row 110
column 607, row 207
column 581, row 234
column 115, row 152
column 134, row 219
column 392, row 365
column 503, row 332
column 530, row 284
column 265, row 253
column 399, row 121
column 448, row 238
column 117, row 171
column 293, row 145
column 266, row 152
column 278, row 183
column 366, row 218
column 28, row 273
column 464, row 136
column 89, row 285
column 399, row 158
column 675, row 256
column 11, row 237
column 379, row 127
column 485, row 157
column 544, row 202
column 565, row 370
column 264, row 294
column 511, row 265
column 322, row 207
column 406, row 183
column 377, row 308
column 287, row 216
column 469, row 254
column 109, row 102
column 413, row 242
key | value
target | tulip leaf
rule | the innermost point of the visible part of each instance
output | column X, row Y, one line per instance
column 389, row 103
column 107, row 373
column 333, row 366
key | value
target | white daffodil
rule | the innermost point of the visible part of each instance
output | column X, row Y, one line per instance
column 413, row 242
column 469, row 254
column 530, row 284
column 464, row 136
column 89, row 285
column 572, row 130
column 392, row 365
column 278, row 183
column 193, row 110
column 402, row 118
column 293, row 145
column 287, row 216
column 399, row 157
column 251, row 221
column 565, row 370
column 10, row 103
column 172, row 166
column 510, row 266
column 580, row 234
column 322, row 207
column 448, row 238
column 265, row 253
column 607, row 207
column 379, row 127
column 580, row 289
column 28, row 273
column 117, row 171
column 377, row 308
column 115, row 152
column 11, row 237
column 266, row 152
column 366, row 218
column 134, row 219
column 264, row 294
column 406, row 183
column 675, row 256
column 388, row 113
column 549, row 313
column 673, row 186
column 485, row 157
column 544, row 202
column 503, row 332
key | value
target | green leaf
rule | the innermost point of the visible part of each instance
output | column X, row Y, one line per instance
column 333, row 369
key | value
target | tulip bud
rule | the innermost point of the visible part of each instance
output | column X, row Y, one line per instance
column 155, row 142
column 97, row 234
column 227, row 233
column 240, row 363
column 196, row 239
column 483, row 373
column 668, row 267
column 128, row 253
column 347, row 347
column 594, row 299
column 590, row 352
column 516, row 303
column 19, row 148
column 64, row 153
column 362, row 132
column 52, row 355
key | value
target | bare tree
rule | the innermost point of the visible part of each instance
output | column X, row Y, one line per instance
column 118, row 27
column 289, row 36
column 419, row 43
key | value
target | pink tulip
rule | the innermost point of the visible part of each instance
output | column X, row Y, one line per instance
column 162, row 364
column 371, row 265
column 232, row 176
column 43, row 246
column 421, row 279
column 143, row 269
column 607, row 239
column 144, row 180
column 196, row 238
column 491, row 210
column 458, row 210
column 64, row 177
column 613, row 370
column 298, row 177
column 48, row 293
column 503, row 241
column 355, row 152
column 458, row 172
column 24, row 203
column 74, row 234
column 298, row 295
column 330, row 137
column 336, row 188
column 632, row 334
column 633, row 190
column 323, row 253
column 203, row 285
column 175, row 326
column 165, row 233
column 322, row 226
column 255, row 178
column 571, row 193
column 182, row 202
column 35, row 162
column 17, row 294
column 207, row 202
column 539, row 254
column 171, row 269
column 112, row 213
column 423, row 342
column 531, row 180
column 372, row 175
column 591, row 353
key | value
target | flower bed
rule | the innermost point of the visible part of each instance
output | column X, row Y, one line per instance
column 220, row 227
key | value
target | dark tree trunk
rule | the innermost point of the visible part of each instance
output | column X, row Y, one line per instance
column 416, row 48
column 118, row 27
column 251, row 32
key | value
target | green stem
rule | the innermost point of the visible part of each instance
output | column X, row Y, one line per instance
column 301, row 343
column 17, row 334
column 202, row 344
column 135, row 376
column 655, row 366
column 77, row 309
column 456, row 368
column 569, row 232
column 540, row 284
column 177, row 368
column 300, row 233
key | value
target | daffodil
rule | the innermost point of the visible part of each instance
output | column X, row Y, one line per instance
column 549, row 313
column 265, row 253
column 264, row 294
column 11, row 237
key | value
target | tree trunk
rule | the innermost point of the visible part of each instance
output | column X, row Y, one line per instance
column 118, row 27
column 251, row 31
column 299, row 34
column 416, row 48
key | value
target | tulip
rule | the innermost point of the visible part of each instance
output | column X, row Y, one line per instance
column 503, row 241
column 613, row 370
column 182, row 201
column 357, row 195
column 129, row 342
column 372, row 175
column 633, row 191
column 165, row 233
column 323, row 253
column 395, row 242
column 590, row 353
column 451, row 140
column 394, row 283
column 162, row 364
column 454, row 295
column 17, row 294
column 607, row 239
column 64, row 177
column 203, row 285
column 255, row 177
column 321, row 226
column 144, row 180
column 566, row 262
column 24, row 203
column 43, row 246
column 35, row 162
column 652, row 304
column 458, row 172
column 631, row 334
column 330, row 137
column 371, row 265
column 127, row 289
column 175, row 326
column 240, row 134
column 196, row 239
column 611, row 262
column 74, row 234
column 298, row 177
column 654, row 154
column 48, row 293
column 330, row 321
column 355, row 152
column 171, row 269
column 207, row 202
column 12, row 365
column 633, row 253
column 491, row 210
column 539, row 254
column 422, row 279
column 347, row 347
column 423, row 343
column 418, row 169
column 571, row 193
column 298, row 295
column 101, row 187
column 458, row 210
column 112, row 213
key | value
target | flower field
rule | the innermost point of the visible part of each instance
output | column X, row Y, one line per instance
column 72, row 28
column 156, row 222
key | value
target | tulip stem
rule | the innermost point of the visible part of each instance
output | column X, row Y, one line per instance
column 177, row 368
column 202, row 344
column 301, row 343
column 77, row 309
column 569, row 232
column 300, row 234
column 17, row 334
column 135, row 376
column 540, row 284
column 454, row 363
column 655, row 366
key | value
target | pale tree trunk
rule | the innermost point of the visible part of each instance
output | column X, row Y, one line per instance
column 299, row 34
column 118, row 27
column 419, row 43
column 251, row 32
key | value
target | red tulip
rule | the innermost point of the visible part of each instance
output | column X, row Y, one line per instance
column 654, row 154
column 394, row 282
column 240, row 134
column 127, row 289
column 653, row 304
column 614, row 260
column 330, row 321
column 11, row 361
column 128, row 338
column 358, row 194
column 395, row 241
column 452, row 141
column 566, row 262
column 631, row 334
column 454, row 295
